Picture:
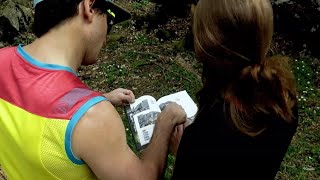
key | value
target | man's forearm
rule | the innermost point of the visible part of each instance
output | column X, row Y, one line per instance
column 155, row 155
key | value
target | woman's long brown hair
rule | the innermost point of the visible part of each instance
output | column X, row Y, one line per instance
column 232, row 39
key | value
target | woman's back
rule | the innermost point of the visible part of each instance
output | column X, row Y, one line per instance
column 212, row 147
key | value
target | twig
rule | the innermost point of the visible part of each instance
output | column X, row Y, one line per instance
column 148, row 53
column 159, row 65
column 171, row 71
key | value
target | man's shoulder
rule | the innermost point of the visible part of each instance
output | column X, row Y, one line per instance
column 6, row 51
column 100, row 120
column 101, row 115
column 7, row 48
column 102, row 110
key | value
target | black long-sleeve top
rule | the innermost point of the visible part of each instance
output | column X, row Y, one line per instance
column 211, row 148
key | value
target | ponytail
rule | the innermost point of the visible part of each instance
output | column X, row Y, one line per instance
column 267, row 88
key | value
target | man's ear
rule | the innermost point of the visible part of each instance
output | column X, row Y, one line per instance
column 87, row 9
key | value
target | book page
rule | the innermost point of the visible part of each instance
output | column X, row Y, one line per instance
column 143, row 103
column 183, row 99
column 142, row 115
column 144, row 123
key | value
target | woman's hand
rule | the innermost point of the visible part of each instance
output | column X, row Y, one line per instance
column 176, row 137
column 120, row 97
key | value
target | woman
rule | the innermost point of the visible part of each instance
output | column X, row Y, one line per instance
column 248, row 111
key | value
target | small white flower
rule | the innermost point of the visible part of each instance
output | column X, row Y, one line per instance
column 308, row 168
column 308, row 82
column 304, row 100
column 298, row 68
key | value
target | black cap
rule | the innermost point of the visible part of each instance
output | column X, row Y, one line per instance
column 117, row 12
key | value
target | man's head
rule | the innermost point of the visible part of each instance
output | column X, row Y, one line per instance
column 89, row 19
column 50, row 13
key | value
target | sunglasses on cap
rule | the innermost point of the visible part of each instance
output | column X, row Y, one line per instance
column 110, row 19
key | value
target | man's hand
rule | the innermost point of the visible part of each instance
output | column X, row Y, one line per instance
column 120, row 97
column 175, row 113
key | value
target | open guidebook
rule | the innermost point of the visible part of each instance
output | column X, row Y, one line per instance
column 143, row 113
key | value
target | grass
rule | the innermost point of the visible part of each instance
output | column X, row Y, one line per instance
column 303, row 156
column 139, row 61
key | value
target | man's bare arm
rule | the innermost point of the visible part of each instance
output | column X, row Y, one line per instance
column 99, row 139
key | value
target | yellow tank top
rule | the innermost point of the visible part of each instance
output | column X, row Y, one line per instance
column 40, row 104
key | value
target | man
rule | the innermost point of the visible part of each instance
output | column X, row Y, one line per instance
column 52, row 125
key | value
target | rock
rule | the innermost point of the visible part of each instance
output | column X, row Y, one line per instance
column 26, row 3
column 15, row 17
column 179, row 45
column 116, row 37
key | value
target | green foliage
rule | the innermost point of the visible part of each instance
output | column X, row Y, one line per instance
column 24, row 39
column 140, row 4
column 145, row 40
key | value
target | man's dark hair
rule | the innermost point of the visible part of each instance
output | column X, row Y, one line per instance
column 50, row 13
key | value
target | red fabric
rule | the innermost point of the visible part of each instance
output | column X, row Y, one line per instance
column 44, row 92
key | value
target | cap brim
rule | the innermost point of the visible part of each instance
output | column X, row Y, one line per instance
column 120, row 13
